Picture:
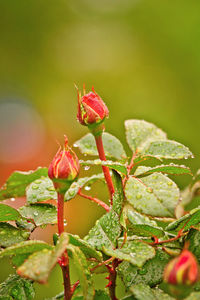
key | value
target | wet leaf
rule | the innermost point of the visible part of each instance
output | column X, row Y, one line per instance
column 142, row 291
column 167, row 169
column 194, row 242
column 101, row 295
column 39, row 265
column 154, row 195
column 84, row 247
column 167, row 149
column 193, row 296
column 41, row 189
column 139, row 224
column 112, row 146
column 16, row 184
column 16, row 288
column 83, row 271
column 121, row 168
column 76, row 185
column 139, row 132
column 10, row 235
column 135, row 252
column 41, row 213
column 25, row 247
column 118, row 197
column 151, row 273
column 8, row 213
column 105, row 232
column 192, row 218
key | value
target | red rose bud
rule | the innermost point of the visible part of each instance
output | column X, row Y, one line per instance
column 64, row 168
column 91, row 108
column 182, row 269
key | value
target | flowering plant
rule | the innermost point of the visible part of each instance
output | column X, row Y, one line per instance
column 147, row 240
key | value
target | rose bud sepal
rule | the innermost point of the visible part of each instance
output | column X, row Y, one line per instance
column 64, row 168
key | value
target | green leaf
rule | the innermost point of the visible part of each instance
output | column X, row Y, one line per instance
column 151, row 273
column 118, row 197
column 41, row 189
column 154, row 195
column 25, row 247
column 159, row 294
column 121, row 168
column 39, row 265
column 19, row 259
column 192, row 218
column 10, row 235
column 85, row 247
column 141, row 225
column 7, row 213
column 41, row 213
column 193, row 296
column 105, row 232
column 16, row 184
column 135, row 252
column 171, row 169
column 85, row 276
column 16, row 288
column 101, row 295
column 76, row 185
column 167, row 150
column 139, row 132
column 112, row 146
column 25, row 224
column 194, row 242
column 142, row 291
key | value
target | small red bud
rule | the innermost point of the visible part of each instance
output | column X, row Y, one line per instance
column 64, row 167
column 182, row 269
column 91, row 109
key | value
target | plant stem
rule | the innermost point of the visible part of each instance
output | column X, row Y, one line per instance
column 60, row 214
column 65, row 259
column 99, row 202
column 112, row 279
column 105, row 169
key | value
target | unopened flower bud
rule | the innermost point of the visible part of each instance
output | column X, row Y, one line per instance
column 64, row 168
column 91, row 109
column 182, row 270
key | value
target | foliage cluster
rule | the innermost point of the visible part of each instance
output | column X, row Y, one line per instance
column 147, row 223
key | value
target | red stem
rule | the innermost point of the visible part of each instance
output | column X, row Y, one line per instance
column 65, row 259
column 105, row 169
column 112, row 279
column 99, row 202
column 60, row 214
column 129, row 167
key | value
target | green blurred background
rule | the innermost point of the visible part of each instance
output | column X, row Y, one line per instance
column 143, row 58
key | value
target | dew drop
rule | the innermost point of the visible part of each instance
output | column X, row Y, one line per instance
column 35, row 187
column 169, row 183
column 38, row 181
column 51, row 189
column 142, row 271
column 149, row 190
column 86, row 168
column 75, row 145
column 71, row 193
column 12, row 199
column 87, row 188
column 35, row 213
column 65, row 222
